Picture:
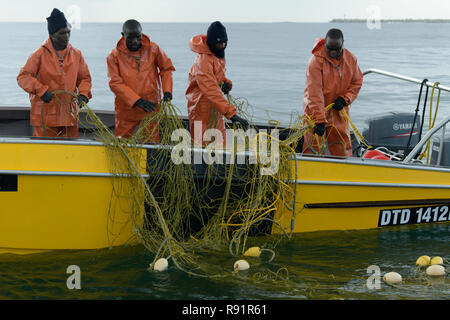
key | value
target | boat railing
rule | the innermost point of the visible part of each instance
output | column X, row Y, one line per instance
column 426, row 138
column 406, row 78
column 442, row 125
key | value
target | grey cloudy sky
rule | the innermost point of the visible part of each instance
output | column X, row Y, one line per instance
column 224, row 10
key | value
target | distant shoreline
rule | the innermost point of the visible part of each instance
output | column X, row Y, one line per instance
column 392, row 20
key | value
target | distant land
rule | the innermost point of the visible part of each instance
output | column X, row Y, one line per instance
column 393, row 20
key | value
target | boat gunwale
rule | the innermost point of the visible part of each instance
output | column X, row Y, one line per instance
column 372, row 162
column 88, row 142
column 68, row 173
column 350, row 161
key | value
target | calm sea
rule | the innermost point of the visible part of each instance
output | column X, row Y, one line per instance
column 266, row 63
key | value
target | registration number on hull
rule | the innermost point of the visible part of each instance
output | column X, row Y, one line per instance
column 417, row 215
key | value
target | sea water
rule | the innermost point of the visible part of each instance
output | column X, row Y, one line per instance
column 266, row 62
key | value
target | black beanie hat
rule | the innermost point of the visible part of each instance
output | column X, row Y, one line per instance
column 216, row 33
column 56, row 21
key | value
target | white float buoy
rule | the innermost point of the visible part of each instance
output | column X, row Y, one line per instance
column 241, row 265
column 423, row 261
column 253, row 252
column 392, row 278
column 436, row 270
column 437, row 260
column 161, row 264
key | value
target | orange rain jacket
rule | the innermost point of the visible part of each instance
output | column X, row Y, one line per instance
column 42, row 72
column 138, row 75
column 326, row 80
column 206, row 103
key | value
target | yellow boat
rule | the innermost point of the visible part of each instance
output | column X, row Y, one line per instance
column 58, row 194
column 352, row 194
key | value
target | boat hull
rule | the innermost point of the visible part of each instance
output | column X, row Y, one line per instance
column 60, row 196
column 355, row 194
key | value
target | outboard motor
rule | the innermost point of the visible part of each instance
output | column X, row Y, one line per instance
column 393, row 131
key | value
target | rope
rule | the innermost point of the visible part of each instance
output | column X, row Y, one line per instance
column 415, row 114
column 423, row 112
column 55, row 94
column 347, row 118
column 431, row 121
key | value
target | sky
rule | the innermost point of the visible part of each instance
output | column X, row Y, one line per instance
column 223, row 10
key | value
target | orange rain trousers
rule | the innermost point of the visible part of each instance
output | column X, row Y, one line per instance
column 137, row 75
column 56, row 132
column 206, row 103
column 326, row 80
column 126, row 129
column 41, row 73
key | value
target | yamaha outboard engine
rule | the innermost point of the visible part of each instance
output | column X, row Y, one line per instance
column 393, row 131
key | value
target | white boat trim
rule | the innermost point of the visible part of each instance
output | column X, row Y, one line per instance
column 406, row 78
column 57, row 142
column 374, row 163
column 68, row 173
column 84, row 142
column 369, row 184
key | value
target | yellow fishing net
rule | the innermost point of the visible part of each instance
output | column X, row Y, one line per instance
column 198, row 214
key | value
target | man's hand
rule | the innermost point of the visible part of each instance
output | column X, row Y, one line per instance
column 145, row 105
column 167, row 96
column 82, row 100
column 226, row 87
column 47, row 96
column 319, row 129
column 339, row 104
column 240, row 122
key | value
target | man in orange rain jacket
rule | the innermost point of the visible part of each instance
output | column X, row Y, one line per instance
column 55, row 66
column 205, row 102
column 332, row 76
column 138, row 71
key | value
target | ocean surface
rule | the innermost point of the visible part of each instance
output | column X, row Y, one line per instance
column 266, row 63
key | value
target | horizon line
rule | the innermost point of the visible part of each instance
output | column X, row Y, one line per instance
column 225, row 21
column 141, row 21
column 334, row 20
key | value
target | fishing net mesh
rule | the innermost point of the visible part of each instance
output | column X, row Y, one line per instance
column 189, row 211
